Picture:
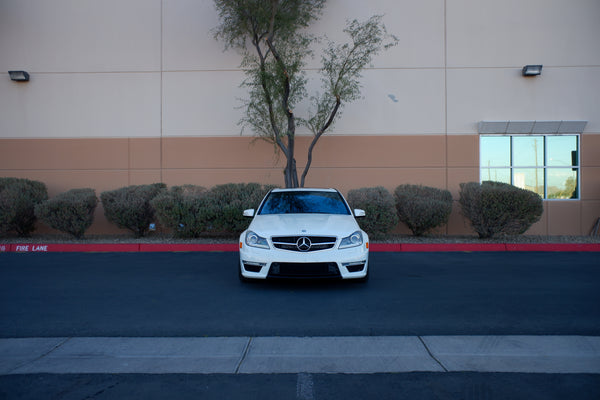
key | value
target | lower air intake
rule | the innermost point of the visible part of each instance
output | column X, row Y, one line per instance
column 304, row 270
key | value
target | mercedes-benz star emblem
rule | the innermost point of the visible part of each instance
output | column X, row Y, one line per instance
column 303, row 244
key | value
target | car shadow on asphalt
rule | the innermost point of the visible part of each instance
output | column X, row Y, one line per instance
column 306, row 284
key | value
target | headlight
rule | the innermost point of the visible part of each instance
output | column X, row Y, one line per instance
column 356, row 239
column 253, row 240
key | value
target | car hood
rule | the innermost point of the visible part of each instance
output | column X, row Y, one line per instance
column 304, row 224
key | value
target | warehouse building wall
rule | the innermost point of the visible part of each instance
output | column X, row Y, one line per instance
column 137, row 91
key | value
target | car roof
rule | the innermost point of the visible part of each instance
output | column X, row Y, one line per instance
column 304, row 190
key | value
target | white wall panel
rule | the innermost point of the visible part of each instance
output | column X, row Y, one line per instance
column 202, row 103
column 81, row 105
column 396, row 101
column 188, row 43
column 495, row 94
column 80, row 35
column 418, row 25
column 393, row 102
column 509, row 33
column 96, row 67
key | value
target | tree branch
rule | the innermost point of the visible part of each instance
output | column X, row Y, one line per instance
column 267, row 94
column 291, row 176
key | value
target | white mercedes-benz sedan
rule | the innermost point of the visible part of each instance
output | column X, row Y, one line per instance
column 304, row 233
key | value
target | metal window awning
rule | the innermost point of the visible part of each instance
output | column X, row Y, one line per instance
column 531, row 127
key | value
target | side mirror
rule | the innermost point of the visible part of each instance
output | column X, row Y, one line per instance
column 358, row 213
column 249, row 212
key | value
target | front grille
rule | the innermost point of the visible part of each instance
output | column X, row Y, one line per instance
column 304, row 243
column 304, row 270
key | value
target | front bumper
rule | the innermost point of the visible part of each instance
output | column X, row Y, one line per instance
column 349, row 263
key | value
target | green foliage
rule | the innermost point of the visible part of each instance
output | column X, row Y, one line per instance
column 191, row 211
column 499, row 208
column 242, row 18
column 227, row 202
column 18, row 198
column 423, row 208
column 569, row 191
column 344, row 63
column 183, row 209
column 7, row 181
column 379, row 207
column 71, row 212
column 273, row 39
column 129, row 207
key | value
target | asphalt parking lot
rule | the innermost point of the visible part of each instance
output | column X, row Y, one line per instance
column 103, row 308
column 198, row 294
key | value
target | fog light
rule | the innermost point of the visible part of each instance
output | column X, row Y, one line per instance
column 355, row 267
column 253, row 267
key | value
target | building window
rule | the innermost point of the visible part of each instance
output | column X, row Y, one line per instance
column 545, row 164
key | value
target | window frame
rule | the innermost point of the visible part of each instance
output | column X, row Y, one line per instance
column 545, row 167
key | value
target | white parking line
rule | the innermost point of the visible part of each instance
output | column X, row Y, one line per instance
column 304, row 387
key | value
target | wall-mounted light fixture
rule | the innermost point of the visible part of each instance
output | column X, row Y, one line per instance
column 532, row 70
column 18, row 76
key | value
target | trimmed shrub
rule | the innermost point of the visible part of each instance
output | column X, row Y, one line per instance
column 18, row 198
column 7, row 181
column 183, row 209
column 129, row 207
column 191, row 211
column 228, row 201
column 423, row 208
column 498, row 208
column 378, row 204
column 70, row 212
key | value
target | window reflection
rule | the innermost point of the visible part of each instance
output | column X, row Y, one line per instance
column 562, row 151
column 530, row 179
column 304, row 202
column 496, row 174
column 545, row 164
column 495, row 151
column 528, row 151
column 562, row 183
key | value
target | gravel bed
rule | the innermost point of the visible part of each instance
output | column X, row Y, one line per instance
column 394, row 238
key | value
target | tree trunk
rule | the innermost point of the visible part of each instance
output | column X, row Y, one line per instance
column 291, row 174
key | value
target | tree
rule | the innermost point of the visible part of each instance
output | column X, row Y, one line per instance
column 272, row 38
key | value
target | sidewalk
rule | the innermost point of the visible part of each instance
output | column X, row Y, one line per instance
column 265, row 355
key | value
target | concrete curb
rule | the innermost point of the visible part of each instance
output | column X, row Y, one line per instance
column 266, row 355
column 233, row 247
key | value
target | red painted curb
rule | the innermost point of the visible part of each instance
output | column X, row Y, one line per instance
column 233, row 247
column 430, row 247
column 382, row 247
column 79, row 247
column 554, row 247
column 189, row 247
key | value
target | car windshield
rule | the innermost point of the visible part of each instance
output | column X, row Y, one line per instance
column 304, row 202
